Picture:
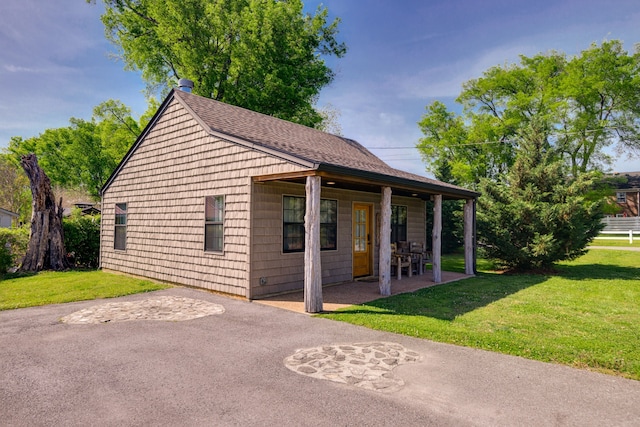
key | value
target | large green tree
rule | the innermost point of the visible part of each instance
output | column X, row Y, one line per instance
column 580, row 105
column 85, row 153
column 264, row 55
column 537, row 213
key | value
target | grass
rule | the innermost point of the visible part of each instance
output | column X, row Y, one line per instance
column 586, row 316
column 623, row 241
column 60, row 287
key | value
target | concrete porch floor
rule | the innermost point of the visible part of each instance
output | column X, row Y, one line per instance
column 357, row 292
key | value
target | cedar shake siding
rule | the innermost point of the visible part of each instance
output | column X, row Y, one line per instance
column 164, row 183
column 198, row 152
column 285, row 271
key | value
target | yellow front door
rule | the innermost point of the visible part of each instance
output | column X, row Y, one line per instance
column 362, row 240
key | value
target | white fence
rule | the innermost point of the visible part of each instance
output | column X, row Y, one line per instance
column 620, row 228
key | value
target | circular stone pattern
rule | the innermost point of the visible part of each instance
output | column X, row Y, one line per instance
column 167, row 308
column 365, row 365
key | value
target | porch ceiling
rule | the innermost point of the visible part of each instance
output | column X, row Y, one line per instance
column 368, row 184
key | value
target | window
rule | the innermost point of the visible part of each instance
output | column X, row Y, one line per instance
column 293, row 210
column 398, row 223
column 293, row 224
column 328, row 224
column 120, row 233
column 621, row 197
column 214, row 223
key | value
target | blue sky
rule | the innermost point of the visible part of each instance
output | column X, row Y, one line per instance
column 403, row 54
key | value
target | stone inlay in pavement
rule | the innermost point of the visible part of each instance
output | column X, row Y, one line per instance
column 366, row 365
column 168, row 308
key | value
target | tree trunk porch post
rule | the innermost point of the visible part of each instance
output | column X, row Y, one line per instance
column 312, row 264
column 437, row 238
column 384, row 268
column 469, row 237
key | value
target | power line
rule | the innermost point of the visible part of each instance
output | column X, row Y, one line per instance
column 505, row 141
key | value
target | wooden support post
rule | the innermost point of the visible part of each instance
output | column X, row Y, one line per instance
column 469, row 239
column 437, row 238
column 384, row 268
column 312, row 267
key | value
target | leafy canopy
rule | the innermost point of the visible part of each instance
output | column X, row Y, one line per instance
column 84, row 154
column 15, row 193
column 264, row 55
column 580, row 105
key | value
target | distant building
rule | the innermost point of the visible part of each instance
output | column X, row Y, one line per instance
column 7, row 218
column 627, row 193
column 86, row 208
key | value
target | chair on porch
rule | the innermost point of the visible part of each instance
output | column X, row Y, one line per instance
column 420, row 257
column 400, row 260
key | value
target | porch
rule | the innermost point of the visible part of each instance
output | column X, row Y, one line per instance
column 358, row 292
column 370, row 226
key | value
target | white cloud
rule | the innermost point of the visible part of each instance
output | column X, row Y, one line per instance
column 17, row 69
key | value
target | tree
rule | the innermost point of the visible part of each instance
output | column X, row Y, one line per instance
column 580, row 106
column 330, row 120
column 85, row 153
column 46, row 239
column 452, row 235
column 538, row 214
column 264, row 55
column 14, row 188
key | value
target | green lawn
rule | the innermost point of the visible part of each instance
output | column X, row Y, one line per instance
column 622, row 241
column 59, row 287
column 587, row 316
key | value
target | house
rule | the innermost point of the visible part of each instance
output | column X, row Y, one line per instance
column 627, row 193
column 7, row 218
column 86, row 208
column 219, row 197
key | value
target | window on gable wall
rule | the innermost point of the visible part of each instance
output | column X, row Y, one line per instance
column 621, row 197
column 120, row 231
column 398, row 223
column 214, row 224
column 293, row 210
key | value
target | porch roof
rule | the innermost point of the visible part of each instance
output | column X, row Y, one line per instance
column 342, row 160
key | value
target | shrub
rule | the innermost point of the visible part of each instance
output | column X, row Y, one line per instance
column 13, row 246
column 82, row 239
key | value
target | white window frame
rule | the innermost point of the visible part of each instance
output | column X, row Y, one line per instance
column 215, row 222
column 119, row 225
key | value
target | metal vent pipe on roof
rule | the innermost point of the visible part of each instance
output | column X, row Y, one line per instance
column 185, row 85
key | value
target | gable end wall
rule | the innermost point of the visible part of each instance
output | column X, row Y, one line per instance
column 164, row 184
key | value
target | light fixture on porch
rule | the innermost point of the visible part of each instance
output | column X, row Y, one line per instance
column 414, row 194
column 331, row 183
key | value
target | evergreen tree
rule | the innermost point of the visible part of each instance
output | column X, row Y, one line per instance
column 537, row 214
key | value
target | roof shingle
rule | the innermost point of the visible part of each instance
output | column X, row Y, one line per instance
column 289, row 138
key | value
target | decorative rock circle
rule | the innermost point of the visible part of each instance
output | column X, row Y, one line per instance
column 167, row 308
column 365, row 365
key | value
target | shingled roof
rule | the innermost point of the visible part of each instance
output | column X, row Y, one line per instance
column 304, row 143
column 309, row 147
column 630, row 180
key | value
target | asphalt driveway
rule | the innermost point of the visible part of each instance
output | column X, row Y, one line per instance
column 228, row 370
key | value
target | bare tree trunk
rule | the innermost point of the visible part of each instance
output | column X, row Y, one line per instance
column 384, row 269
column 46, row 240
column 312, row 260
